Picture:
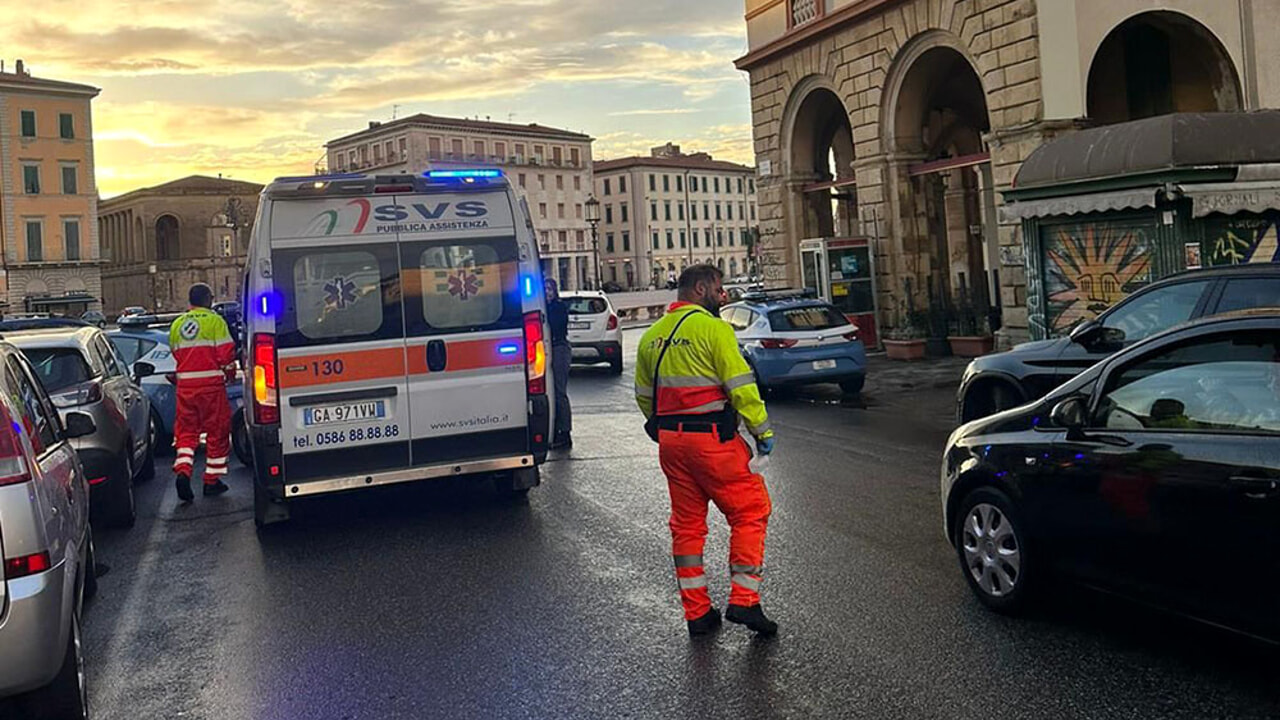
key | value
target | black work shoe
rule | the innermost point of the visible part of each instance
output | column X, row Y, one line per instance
column 705, row 625
column 183, row 483
column 753, row 617
column 215, row 489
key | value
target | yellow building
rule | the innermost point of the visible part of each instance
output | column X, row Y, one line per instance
column 48, row 198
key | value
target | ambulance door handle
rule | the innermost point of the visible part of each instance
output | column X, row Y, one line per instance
column 437, row 355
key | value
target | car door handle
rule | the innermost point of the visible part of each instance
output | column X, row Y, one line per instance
column 1255, row 488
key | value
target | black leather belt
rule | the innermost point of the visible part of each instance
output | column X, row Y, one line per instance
column 689, row 427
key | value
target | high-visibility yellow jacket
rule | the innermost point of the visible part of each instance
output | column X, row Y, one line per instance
column 701, row 372
column 202, row 348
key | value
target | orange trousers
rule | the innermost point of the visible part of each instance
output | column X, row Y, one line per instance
column 700, row 468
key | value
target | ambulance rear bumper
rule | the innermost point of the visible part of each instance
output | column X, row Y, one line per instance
column 427, row 472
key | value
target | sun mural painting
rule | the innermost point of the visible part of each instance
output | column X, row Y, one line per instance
column 1089, row 268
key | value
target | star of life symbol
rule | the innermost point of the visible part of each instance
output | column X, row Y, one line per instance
column 464, row 285
column 189, row 329
column 339, row 293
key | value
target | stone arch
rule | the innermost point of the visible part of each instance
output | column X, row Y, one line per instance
column 1158, row 62
column 919, row 74
column 818, row 148
column 36, row 287
column 168, row 232
column 75, row 285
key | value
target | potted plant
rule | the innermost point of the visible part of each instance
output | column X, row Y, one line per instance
column 907, row 340
column 969, row 333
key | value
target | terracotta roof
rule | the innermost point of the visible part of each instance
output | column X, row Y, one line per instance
column 466, row 124
column 13, row 81
column 687, row 162
column 191, row 185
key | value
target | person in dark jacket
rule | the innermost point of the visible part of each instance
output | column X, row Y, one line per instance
column 561, row 356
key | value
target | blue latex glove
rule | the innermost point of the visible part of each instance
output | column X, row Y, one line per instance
column 764, row 446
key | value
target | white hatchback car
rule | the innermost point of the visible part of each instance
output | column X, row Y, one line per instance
column 594, row 331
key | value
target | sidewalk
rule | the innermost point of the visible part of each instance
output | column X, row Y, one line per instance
column 885, row 375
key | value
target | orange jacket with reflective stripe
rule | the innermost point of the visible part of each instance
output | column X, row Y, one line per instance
column 202, row 348
column 701, row 372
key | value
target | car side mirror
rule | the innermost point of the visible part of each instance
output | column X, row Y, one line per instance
column 143, row 369
column 79, row 424
column 1086, row 333
column 1071, row 414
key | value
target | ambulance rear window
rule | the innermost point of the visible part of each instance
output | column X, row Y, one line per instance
column 462, row 286
column 338, row 294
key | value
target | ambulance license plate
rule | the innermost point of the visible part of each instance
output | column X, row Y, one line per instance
column 344, row 413
column 824, row 364
column 579, row 326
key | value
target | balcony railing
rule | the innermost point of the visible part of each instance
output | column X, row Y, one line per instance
column 804, row 11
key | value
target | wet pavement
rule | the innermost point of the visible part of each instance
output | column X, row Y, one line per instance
column 440, row 600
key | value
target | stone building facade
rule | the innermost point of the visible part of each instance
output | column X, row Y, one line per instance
column 903, row 121
column 549, row 167
column 158, row 241
column 662, row 213
column 48, row 197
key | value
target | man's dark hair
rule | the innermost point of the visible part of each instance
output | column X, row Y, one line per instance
column 200, row 295
column 695, row 274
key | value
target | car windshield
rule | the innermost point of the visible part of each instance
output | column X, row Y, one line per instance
column 808, row 317
column 586, row 305
column 59, row 368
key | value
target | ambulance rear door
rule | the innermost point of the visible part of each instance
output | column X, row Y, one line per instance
column 344, row 394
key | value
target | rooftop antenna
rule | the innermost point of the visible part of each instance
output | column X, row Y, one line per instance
column 395, row 109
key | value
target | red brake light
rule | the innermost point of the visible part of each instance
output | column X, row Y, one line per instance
column 535, row 353
column 13, row 464
column 613, row 322
column 777, row 344
column 266, row 402
column 26, row 565
column 852, row 334
column 385, row 189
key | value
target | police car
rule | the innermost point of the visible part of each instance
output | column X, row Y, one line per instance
column 395, row 331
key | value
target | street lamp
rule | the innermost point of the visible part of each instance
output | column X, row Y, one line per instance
column 593, row 219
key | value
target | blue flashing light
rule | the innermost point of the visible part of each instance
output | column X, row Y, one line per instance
column 528, row 286
column 509, row 349
column 269, row 304
column 17, row 429
column 463, row 174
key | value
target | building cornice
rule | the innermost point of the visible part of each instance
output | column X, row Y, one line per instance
column 812, row 30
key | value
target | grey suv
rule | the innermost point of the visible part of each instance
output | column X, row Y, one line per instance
column 83, row 372
column 47, row 548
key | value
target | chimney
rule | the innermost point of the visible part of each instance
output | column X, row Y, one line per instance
column 373, row 124
column 17, row 67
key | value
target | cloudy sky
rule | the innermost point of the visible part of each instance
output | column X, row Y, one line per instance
column 253, row 89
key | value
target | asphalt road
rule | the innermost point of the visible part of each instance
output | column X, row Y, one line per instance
column 442, row 601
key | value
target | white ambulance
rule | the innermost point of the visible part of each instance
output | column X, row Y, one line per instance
column 395, row 331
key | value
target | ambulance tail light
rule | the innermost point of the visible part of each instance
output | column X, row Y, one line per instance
column 613, row 322
column 535, row 351
column 13, row 464
column 20, row 567
column 266, row 391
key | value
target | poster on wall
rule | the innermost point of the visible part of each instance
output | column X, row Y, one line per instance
column 1089, row 267
column 1193, row 259
column 1241, row 239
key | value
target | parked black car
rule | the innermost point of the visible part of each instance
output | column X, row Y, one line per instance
column 1155, row 474
column 1028, row 371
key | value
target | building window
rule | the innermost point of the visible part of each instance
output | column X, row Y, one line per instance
column 667, row 208
column 666, row 183
column 683, row 240
column 538, row 153
column 404, row 149
column 693, row 211
column 626, row 242
column 693, row 184
column 680, row 211
column 560, row 210
column 655, row 240
column 167, row 234
column 477, row 148
column 731, row 238
column 653, row 211
column 35, row 241
column 564, row 238
column 719, row 238
column 351, row 160
column 560, row 182
column 71, row 237
column 542, row 210
column 577, row 210
column 542, row 182
column 679, row 183
column 608, row 242
column 718, row 212
column 500, row 151
column 753, row 211
column 522, row 180
column 364, row 155
column 391, row 151
column 717, row 185
column 653, row 183
column 433, row 149
column 728, row 209
column 28, row 123
column 739, row 186
column 623, row 209
column 706, row 211
column 608, row 214
column 582, row 238
column 557, row 156
column 519, row 152
column 577, row 183
column 575, row 157
column 456, row 149
column 66, row 126
column 622, row 184
column 69, row 185
column 671, row 243
column 31, row 179
column 607, row 191
column 377, row 154
column 751, row 184
column 695, row 238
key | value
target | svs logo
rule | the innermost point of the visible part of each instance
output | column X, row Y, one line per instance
column 399, row 213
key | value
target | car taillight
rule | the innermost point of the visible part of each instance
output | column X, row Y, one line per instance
column 535, row 352
column 852, row 334
column 90, row 392
column 26, row 565
column 266, row 398
column 613, row 322
column 13, row 464
column 777, row 344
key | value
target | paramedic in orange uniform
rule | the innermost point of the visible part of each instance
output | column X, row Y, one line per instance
column 703, row 389
column 202, row 348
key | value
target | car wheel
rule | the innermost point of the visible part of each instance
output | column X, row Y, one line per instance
column 67, row 696
column 615, row 367
column 852, row 387
column 991, row 543
column 240, row 439
column 126, row 509
column 148, row 469
column 90, row 566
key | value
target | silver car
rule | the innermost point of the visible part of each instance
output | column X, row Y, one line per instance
column 47, row 548
column 83, row 372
